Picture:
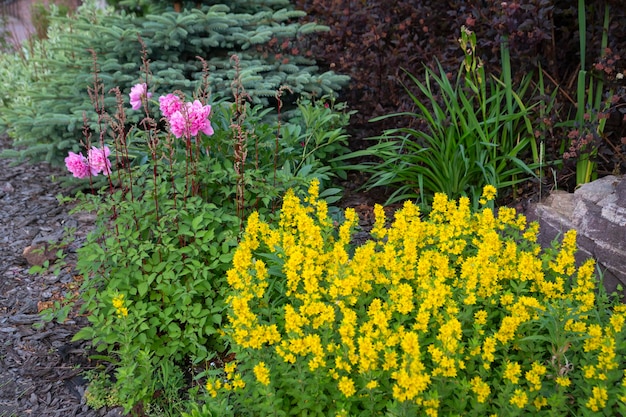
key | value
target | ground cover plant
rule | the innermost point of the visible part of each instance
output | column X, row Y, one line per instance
column 457, row 313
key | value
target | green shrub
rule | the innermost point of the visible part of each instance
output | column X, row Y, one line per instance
column 459, row 313
column 40, row 16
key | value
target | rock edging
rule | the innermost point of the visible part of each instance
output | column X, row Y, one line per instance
column 597, row 210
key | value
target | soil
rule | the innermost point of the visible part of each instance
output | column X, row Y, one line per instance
column 40, row 366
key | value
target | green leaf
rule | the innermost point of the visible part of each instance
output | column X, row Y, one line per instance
column 195, row 223
column 142, row 289
column 86, row 333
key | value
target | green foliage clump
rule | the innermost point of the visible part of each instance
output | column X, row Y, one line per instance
column 470, row 131
column 179, row 46
column 101, row 392
column 456, row 313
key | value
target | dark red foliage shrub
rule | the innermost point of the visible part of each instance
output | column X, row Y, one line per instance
column 374, row 41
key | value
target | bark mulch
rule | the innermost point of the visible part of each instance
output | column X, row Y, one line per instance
column 40, row 367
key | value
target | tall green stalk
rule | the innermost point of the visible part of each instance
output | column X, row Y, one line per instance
column 507, row 79
column 589, row 96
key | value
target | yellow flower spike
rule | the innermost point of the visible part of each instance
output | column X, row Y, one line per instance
column 539, row 402
column 411, row 380
column 119, row 305
column 589, row 371
column 390, row 360
column 532, row 232
column 372, row 384
column 594, row 340
column 262, row 373
column 533, row 376
column 212, row 386
column 584, row 290
column 402, row 298
column 238, row 382
column 507, row 216
column 565, row 262
column 440, row 203
column 118, row 301
column 507, row 329
column 489, row 192
column 563, row 381
column 480, row 317
column 379, row 231
column 519, row 399
column 488, row 350
column 410, row 344
column 450, row 334
column 480, row 388
column 617, row 322
column 346, row 386
column 229, row 369
column 313, row 192
column 512, row 372
column 351, row 220
column 598, row 399
column 369, row 351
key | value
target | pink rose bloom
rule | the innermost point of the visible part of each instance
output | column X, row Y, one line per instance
column 192, row 119
column 170, row 104
column 99, row 160
column 77, row 164
column 137, row 93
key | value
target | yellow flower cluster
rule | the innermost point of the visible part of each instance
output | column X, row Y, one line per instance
column 401, row 308
column 598, row 399
column 232, row 380
column 480, row 388
column 120, row 306
column 261, row 373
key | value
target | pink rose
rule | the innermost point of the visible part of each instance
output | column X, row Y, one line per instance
column 170, row 104
column 191, row 119
column 99, row 160
column 137, row 93
column 77, row 164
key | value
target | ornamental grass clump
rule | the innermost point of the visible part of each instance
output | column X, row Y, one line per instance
column 456, row 313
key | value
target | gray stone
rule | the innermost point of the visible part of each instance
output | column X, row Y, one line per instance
column 597, row 211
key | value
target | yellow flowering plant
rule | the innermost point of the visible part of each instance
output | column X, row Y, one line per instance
column 456, row 313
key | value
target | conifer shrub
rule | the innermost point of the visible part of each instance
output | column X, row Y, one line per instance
column 179, row 46
column 454, row 313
